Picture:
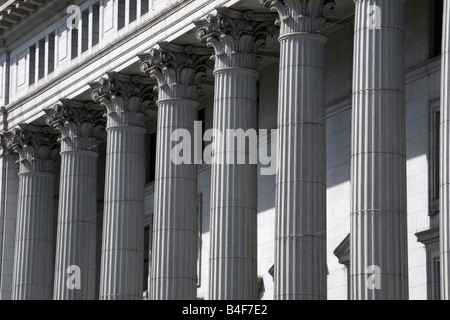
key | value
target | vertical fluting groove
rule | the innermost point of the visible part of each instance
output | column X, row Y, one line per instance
column 3, row 195
column 76, row 235
column 300, row 239
column 33, row 269
column 233, row 195
column 174, row 253
column 123, row 235
column 9, row 185
column 444, row 194
column 378, row 167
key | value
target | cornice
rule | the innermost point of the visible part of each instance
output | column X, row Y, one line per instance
column 101, row 53
column 37, row 22
column 342, row 251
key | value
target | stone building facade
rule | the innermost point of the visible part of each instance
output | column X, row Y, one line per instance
column 116, row 183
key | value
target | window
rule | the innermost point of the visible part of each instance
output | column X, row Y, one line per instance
column 150, row 143
column 133, row 10
column 148, row 240
column 146, row 256
column 84, row 30
column 41, row 66
column 74, row 42
column 436, row 278
column 51, row 52
column 199, row 249
column 342, row 252
column 32, row 66
column 121, row 15
column 434, row 162
column 202, row 119
column 430, row 238
column 144, row 7
column 436, row 15
column 95, row 24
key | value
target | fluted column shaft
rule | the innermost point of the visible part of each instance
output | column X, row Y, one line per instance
column 33, row 270
column 178, row 69
column 123, row 224
column 233, row 192
column 300, row 270
column 75, row 262
column 444, row 194
column 76, row 237
column 378, row 254
column 9, row 189
column 300, row 242
column 123, row 239
column 174, row 259
column 33, row 259
column 235, row 37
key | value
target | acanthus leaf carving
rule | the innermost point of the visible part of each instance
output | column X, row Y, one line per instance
column 301, row 15
column 177, row 69
column 81, row 124
column 37, row 147
column 235, row 36
column 127, row 98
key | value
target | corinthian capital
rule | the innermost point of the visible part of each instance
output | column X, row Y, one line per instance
column 81, row 124
column 178, row 69
column 37, row 147
column 235, row 36
column 126, row 98
column 301, row 15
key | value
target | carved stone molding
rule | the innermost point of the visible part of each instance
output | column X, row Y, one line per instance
column 301, row 15
column 37, row 147
column 342, row 251
column 36, row 22
column 4, row 150
column 81, row 124
column 126, row 98
column 178, row 69
column 3, row 120
column 235, row 36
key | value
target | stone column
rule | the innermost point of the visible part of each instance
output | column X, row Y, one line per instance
column 79, row 125
column 379, row 251
column 9, row 189
column 235, row 36
column 444, row 194
column 300, row 270
column 125, row 98
column 33, row 261
column 178, row 70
